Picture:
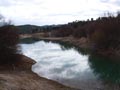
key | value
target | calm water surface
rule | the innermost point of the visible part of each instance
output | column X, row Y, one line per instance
column 73, row 66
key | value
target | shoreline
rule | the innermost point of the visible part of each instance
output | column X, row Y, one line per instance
column 20, row 77
column 82, row 42
column 69, row 40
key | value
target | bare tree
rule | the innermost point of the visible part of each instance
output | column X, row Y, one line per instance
column 8, row 43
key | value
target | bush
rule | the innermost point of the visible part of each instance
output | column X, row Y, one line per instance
column 107, row 33
column 8, row 44
column 80, row 32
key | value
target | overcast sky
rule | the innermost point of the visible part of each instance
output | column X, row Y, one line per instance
column 47, row 12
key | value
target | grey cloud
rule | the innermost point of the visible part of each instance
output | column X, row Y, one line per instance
column 117, row 2
column 36, row 7
column 8, row 3
column 68, row 14
column 105, row 1
column 5, row 3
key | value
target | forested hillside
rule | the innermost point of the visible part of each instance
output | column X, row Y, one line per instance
column 30, row 29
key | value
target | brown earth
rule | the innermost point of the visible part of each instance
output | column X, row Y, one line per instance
column 19, row 76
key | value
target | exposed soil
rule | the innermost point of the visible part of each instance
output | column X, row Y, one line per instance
column 19, row 76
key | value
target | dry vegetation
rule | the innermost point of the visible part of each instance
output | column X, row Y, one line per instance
column 15, row 69
column 9, row 39
column 102, row 34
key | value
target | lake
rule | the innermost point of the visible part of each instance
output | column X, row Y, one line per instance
column 73, row 66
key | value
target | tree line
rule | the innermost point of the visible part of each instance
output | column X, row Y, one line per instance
column 103, row 33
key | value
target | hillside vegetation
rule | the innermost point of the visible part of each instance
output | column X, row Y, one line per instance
column 103, row 34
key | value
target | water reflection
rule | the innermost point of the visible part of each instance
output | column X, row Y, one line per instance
column 67, row 46
column 106, row 69
column 65, row 66
column 73, row 66
column 28, row 40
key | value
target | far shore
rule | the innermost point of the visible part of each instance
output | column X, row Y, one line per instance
column 79, row 42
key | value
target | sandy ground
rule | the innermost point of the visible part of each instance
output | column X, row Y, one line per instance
column 20, row 77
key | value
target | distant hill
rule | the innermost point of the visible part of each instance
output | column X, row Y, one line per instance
column 28, row 29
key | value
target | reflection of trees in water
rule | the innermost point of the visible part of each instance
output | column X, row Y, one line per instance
column 67, row 46
column 63, row 45
column 106, row 69
column 28, row 40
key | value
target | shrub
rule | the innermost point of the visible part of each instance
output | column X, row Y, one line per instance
column 107, row 33
column 8, row 44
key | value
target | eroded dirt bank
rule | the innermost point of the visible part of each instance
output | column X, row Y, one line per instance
column 20, row 77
